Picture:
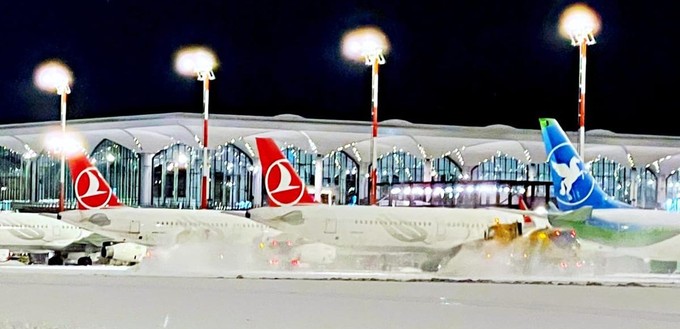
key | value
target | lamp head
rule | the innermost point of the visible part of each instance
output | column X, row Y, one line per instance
column 579, row 22
column 53, row 75
column 366, row 43
column 193, row 60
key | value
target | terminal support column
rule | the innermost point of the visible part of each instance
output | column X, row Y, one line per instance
column 363, row 182
column 257, row 186
column 146, row 179
column 318, row 177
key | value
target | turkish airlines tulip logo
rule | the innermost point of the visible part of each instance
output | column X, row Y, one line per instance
column 279, row 184
column 92, row 191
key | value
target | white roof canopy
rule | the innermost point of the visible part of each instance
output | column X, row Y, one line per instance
column 466, row 145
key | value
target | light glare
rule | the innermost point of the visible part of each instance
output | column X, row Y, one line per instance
column 579, row 19
column 52, row 75
column 358, row 43
column 58, row 142
column 194, row 59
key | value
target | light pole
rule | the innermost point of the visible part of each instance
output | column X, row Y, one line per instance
column 110, row 158
column 580, row 23
column 54, row 75
column 200, row 61
column 369, row 44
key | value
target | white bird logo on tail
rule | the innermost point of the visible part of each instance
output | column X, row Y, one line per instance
column 569, row 175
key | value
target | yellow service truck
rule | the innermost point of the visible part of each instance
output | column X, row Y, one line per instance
column 540, row 251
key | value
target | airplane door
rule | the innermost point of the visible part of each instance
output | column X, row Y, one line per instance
column 441, row 230
column 56, row 230
column 134, row 226
column 331, row 225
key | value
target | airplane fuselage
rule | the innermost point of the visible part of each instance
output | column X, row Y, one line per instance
column 390, row 229
column 643, row 233
column 164, row 227
column 34, row 232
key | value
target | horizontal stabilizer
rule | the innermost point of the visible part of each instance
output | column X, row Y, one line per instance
column 293, row 218
column 517, row 211
column 578, row 215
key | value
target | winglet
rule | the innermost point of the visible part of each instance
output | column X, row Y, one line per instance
column 283, row 185
column 92, row 191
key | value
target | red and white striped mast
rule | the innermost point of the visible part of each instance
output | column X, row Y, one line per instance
column 581, row 23
column 369, row 44
column 200, row 61
column 374, row 58
column 55, row 75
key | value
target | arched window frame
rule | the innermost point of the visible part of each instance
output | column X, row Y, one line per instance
column 614, row 178
column 120, row 166
column 647, row 187
column 232, row 178
column 500, row 167
column 15, row 178
column 397, row 167
column 341, row 174
column 446, row 170
column 176, row 177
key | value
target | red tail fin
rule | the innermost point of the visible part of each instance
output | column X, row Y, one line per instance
column 283, row 185
column 523, row 206
column 91, row 189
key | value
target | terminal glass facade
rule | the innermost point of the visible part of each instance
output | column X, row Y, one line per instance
column 672, row 202
column 397, row 168
column 614, row 178
column 341, row 177
column 48, row 169
column 500, row 167
column 120, row 167
column 15, row 178
column 232, row 179
column 646, row 189
column 302, row 162
column 446, row 170
column 177, row 172
column 539, row 172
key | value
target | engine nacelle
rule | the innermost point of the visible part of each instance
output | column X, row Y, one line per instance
column 124, row 252
column 4, row 255
column 315, row 253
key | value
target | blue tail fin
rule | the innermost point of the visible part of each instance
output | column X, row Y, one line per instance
column 574, row 186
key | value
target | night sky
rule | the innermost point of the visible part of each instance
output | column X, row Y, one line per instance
column 469, row 63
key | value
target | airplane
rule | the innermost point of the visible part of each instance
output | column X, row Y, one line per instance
column 614, row 227
column 437, row 233
column 132, row 231
column 40, row 235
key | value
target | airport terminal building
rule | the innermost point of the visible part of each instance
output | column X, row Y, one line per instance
column 157, row 161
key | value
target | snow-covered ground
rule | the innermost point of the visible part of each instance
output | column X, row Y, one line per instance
column 99, row 297
column 186, row 289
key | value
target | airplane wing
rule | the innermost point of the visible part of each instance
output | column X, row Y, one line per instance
column 553, row 217
column 579, row 215
column 552, row 207
column 518, row 211
column 94, row 239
